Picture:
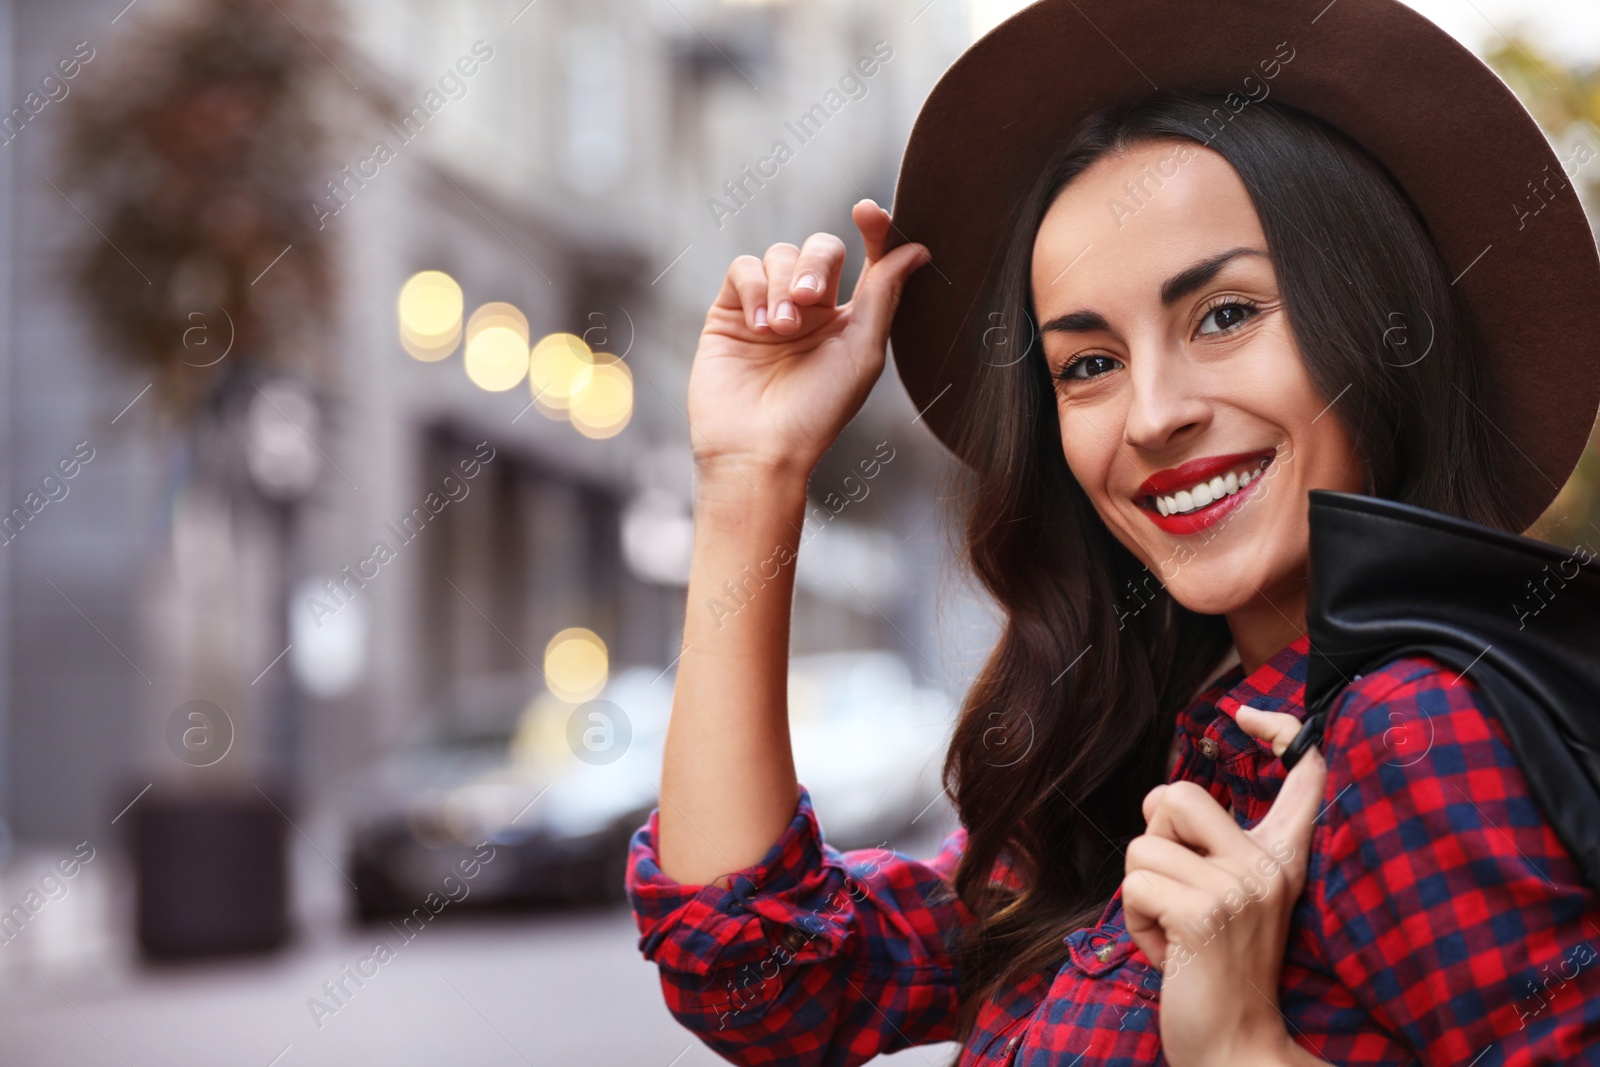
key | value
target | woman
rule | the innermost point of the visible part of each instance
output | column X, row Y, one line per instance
column 1181, row 374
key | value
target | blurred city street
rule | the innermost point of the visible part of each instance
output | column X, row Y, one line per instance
column 460, row 994
column 548, row 986
column 347, row 486
column 498, row 991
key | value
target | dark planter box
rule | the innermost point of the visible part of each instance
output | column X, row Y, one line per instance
column 211, row 874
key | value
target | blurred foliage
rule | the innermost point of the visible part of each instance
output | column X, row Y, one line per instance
column 197, row 160
column 1558, row 96
column 1566, row 102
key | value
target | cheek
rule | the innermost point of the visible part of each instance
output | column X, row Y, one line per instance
column 1090, row 439
column 1275, row 388
column 1084, row 446
column 1268, row 379
column 1324, row 453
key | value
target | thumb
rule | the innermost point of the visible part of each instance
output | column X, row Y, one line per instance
column 881, row 285
column 1293, row 815
column 1276, row 728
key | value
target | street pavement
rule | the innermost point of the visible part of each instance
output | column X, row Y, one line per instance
column 485, row 990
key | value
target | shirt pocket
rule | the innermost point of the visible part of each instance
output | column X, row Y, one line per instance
column 1105, row 952
column 1004, row 1026
column 1103, row 1004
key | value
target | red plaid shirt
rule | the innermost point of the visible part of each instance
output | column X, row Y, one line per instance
column 1443, row 921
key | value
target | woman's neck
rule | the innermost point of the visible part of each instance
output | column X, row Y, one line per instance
column 1266, row 624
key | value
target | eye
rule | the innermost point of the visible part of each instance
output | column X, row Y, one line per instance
column 1090, row 366
column 1227, row 314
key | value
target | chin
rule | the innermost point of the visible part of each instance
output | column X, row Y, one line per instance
column 1210, row 598
column 1234, row 566
column 1221, row 584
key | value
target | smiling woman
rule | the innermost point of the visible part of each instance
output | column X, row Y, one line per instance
column 1198, row 370
column 1239, row 309
column 1205, row 351
column 1157, row 396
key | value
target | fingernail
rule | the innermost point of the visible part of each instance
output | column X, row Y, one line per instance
column 808, row 281
column 761, row 315
column 785, row 311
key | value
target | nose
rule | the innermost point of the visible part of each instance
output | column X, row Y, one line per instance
column 1166, row 407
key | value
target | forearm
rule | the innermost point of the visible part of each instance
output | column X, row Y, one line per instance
column 728, row 784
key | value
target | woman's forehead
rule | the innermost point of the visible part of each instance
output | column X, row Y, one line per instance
column 1134, row 218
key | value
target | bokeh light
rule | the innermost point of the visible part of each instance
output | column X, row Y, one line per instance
column 602, row 406
column 561, row 364
column 539, row 738
column 497, row 347
column 497, row 313
column 575, row 664
column 429, row 315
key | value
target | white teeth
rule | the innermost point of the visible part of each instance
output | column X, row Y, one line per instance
column 1205, row 493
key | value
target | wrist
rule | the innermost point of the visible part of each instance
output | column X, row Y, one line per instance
column 744, row 483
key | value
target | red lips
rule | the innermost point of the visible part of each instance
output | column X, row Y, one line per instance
column 1192, row 473
column 1187, row 476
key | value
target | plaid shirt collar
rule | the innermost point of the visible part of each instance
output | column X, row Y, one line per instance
column 1240, row 771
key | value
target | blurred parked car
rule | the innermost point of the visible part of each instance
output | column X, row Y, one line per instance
column 558, row 804
column 868, row 743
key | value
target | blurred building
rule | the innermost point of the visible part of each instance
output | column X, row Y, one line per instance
column 597, row 169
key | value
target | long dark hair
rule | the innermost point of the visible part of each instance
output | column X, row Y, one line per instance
column 1069, row 722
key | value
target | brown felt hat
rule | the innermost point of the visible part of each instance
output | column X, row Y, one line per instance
column 1452, row 134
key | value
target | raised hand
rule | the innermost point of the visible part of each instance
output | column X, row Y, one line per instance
column 781, row 366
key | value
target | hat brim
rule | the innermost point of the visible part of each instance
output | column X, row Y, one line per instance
column 1448, row 129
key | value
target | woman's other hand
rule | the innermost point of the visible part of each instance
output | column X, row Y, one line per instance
column 1210, row 903
column 781, row 367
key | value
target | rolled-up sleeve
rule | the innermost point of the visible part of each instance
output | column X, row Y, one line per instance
column 1448, row 904
column 810, row 957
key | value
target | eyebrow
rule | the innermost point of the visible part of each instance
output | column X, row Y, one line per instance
column 1173, row 289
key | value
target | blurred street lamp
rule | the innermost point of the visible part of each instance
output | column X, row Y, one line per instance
column 602, row 406
column 207, row 276
column 282, row 425
column 569, row 380
column 575, row 664
column 327, row 649
column 560, row 365
column 497, row 347
column 429, row 311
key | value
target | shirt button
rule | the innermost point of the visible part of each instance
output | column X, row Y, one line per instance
column 1208, row 748
column 1103, row 953
column 792, row 939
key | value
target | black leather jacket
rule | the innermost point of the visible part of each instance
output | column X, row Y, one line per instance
column 1520, row 617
